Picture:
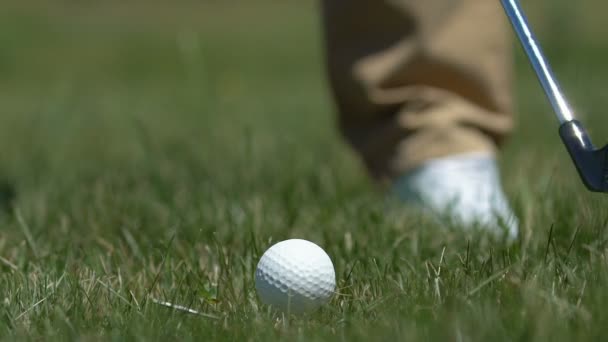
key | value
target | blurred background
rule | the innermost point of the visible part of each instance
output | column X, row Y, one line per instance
column 174, row 100
column 88, row 80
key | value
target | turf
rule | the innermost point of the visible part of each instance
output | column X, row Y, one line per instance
column 157, row 150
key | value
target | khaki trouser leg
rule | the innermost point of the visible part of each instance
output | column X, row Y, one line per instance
column 418, row 79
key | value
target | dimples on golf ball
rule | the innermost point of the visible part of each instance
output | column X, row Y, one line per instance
column 295, row 276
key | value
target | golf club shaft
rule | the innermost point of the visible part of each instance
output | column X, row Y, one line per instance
column 537, row 59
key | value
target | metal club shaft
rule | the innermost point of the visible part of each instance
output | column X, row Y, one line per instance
column 537, row 59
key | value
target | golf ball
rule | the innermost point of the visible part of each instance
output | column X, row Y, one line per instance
column 295, row 276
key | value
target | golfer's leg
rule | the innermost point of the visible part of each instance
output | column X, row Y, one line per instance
column 419, row 81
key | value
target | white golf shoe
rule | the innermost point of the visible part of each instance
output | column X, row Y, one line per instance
column 463, row 188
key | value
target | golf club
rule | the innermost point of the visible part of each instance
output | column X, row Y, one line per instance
column 591, row 163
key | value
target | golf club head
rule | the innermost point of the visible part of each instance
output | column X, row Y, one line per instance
column 591, row 163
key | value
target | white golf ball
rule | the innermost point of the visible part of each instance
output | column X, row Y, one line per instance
column 295, row 276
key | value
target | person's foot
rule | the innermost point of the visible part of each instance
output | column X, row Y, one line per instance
column 464, row 188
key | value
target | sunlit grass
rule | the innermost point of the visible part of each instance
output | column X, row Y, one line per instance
column 158, row 153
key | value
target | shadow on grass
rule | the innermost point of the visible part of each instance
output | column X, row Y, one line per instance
column 7, row 196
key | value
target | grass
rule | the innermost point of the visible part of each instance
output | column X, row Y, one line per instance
column 159, row 150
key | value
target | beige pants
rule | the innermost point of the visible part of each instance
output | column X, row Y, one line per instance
column 418, row 79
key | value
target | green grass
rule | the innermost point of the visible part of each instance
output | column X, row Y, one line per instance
column 158, row 150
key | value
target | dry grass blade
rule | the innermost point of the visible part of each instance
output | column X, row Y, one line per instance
column 32, row 307
column 183, row 309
